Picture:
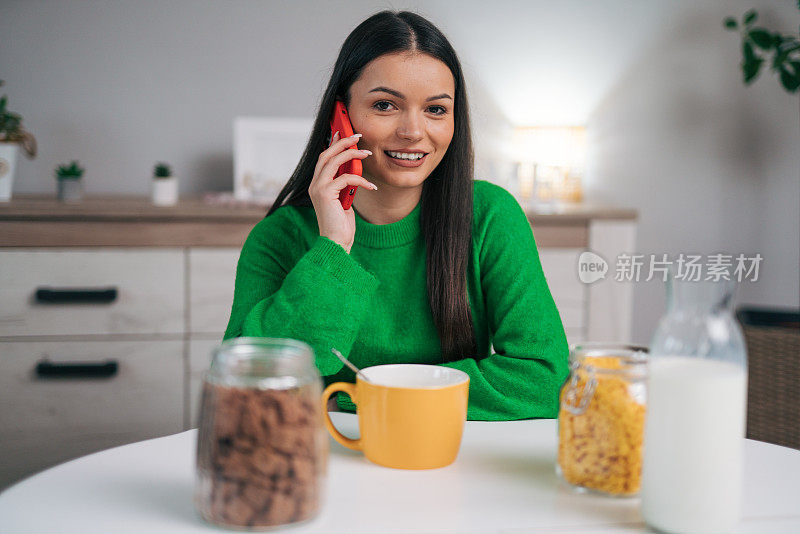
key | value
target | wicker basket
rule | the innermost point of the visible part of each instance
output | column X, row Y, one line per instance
column 773, row 396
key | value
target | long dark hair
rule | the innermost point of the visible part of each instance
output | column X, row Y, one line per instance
column 446, row 201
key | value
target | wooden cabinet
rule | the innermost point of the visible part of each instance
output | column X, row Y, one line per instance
column 200, row 353
column 212, row 273
column 160, row 286
column 560, row 270
column 144, row 292
column 47, row 419
column 142, row 309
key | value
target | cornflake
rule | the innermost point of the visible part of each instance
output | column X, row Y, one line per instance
column 600, row 447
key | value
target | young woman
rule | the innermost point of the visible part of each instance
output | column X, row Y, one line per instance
column 428, row 266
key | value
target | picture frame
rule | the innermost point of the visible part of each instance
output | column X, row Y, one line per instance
column 266, row 151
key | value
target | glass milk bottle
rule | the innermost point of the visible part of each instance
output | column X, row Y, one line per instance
column 696, row 410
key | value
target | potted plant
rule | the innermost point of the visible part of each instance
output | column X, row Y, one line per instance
column 12, row 136
column 70, row 186
column 783, row 49
column 165, row 186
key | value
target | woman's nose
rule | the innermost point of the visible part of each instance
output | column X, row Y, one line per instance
column 410, row 127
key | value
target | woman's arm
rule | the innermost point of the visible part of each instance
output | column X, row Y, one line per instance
column 319, row 296
column 523, row 376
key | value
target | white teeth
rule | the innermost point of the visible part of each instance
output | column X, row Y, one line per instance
column 405, row 155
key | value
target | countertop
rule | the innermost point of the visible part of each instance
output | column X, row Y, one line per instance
column 133, row 221
column 120, row 208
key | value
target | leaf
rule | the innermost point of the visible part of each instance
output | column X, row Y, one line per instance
column 750, row 69
column 788, row 44
column 778, row 60
column 791, row 81
column 748, row 52
column 762, row 38
column 750, row 17
column 731, row 24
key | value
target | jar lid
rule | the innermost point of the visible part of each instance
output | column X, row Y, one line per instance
column 610, row 358
column 264, row 363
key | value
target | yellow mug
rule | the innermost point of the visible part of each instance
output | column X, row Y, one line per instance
column 410, row 416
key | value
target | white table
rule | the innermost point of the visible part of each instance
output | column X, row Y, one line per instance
column 502, row 482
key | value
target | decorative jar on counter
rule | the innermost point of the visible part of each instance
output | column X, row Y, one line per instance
column 601, row 418
column 262, row 449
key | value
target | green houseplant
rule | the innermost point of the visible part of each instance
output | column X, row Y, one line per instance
column 162, row 170
column 12, row 137
column 760, row 45
column 165, row 185
column 70, row 186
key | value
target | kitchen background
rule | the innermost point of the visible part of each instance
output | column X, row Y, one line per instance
column 709, row 164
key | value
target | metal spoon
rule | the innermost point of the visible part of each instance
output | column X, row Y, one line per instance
column 345, row 361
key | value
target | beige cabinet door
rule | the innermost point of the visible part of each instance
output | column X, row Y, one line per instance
column 200, row 353
column 560, row 266
column 125, row 291
column 47, row 419
column 212, row 274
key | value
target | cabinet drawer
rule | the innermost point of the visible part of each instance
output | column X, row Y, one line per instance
column 148, row 299
column 45, row 421
column 212, row 276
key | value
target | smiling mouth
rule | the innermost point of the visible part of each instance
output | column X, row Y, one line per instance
column 405, row 156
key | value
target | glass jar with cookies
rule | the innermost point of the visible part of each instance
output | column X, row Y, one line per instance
column 601, row 418
column 262, row 449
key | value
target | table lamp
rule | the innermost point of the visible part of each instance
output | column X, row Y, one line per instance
column 551, row 162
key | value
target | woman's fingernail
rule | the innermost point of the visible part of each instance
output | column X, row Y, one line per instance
column 356, row 135
column 336, row 135
column 366, row 151
column 374, row 187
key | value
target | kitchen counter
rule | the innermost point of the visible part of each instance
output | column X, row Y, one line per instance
column 105, row 220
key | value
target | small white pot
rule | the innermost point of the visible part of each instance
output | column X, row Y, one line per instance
column 165, row 191
column 8, row 165
column 70, row 190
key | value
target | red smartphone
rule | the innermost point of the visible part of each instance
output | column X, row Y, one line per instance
column 340, row 122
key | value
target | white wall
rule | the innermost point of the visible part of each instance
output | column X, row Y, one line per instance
column 711, row 165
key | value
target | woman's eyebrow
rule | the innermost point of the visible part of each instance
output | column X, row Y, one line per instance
column 400, row 95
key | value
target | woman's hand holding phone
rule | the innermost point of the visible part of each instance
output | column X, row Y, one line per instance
column 336, row 223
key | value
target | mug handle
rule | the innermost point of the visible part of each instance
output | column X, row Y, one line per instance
column 350, row 389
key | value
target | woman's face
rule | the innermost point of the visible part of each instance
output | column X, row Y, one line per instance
column 403, row 106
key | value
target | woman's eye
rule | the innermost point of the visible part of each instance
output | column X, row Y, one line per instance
column 438, row 110
column 382, row 105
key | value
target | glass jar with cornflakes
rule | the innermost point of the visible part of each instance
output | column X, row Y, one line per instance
column 601, row 418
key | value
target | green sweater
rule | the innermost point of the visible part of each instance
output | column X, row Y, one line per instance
column 372, row 304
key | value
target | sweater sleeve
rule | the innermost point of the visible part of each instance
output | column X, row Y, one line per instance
column 320, row 297
column 523, row 376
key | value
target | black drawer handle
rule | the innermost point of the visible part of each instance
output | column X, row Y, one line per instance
column 76, row 295
column 106, row 369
